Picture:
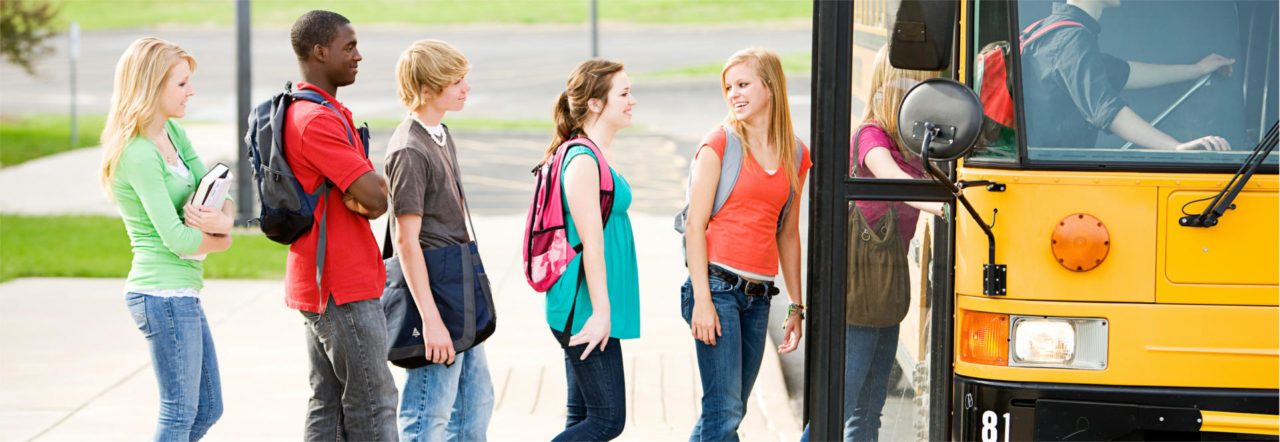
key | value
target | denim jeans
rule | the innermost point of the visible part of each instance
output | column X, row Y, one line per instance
column 353, row 396
column 185, row 363
column 868, row 359
column 729, row 368
column 448, row 403
column 597, row 396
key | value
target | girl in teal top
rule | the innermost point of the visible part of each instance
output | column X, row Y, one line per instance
column 620, row 267
column 596, row 103
column 150, row 170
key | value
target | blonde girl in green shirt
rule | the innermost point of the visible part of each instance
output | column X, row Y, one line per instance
column 150, row 169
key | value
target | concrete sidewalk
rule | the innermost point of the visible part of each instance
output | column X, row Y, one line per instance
column 72, row 366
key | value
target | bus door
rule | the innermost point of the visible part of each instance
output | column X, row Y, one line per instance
column 879, row 338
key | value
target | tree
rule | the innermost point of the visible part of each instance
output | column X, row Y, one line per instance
column 25, row 28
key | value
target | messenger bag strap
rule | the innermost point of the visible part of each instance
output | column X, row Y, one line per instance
column 457, row 180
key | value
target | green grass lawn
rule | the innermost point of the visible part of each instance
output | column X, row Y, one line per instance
column 97, row 246
column 109, row 14
column 799, row 63
column 27, row 137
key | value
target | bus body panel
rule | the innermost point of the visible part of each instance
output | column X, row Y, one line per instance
column 1141, row 213
column 1158, row 345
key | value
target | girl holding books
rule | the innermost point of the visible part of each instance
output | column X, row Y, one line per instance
column 150, row 169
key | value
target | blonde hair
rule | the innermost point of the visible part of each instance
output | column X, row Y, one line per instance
column 769, row 69
column 429, row 64
column 885, row 97
column 140, row 76
column 591, row 79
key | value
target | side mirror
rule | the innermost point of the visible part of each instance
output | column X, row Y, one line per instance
column 940, row 119
column 922, row 34
column 945, row 112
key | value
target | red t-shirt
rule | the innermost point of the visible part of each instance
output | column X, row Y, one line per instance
column 743, row 234
column 316, row 147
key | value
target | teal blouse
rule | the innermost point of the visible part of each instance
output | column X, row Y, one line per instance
column 620, row 268
column 150, row 197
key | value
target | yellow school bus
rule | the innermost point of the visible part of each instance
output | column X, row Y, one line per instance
column 1126, row 312
column 1115, row 284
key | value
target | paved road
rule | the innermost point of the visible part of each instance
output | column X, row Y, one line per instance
column 516, row 70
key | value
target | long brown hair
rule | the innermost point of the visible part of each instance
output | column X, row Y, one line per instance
column 769, row 69
column 140, row 75
column 591, row 79
column 885, row 97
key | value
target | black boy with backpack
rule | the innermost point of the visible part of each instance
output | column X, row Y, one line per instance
column 320, row 200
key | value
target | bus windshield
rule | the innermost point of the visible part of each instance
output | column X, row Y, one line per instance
column 1114, row 82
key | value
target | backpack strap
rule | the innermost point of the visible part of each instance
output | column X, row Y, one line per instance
column 786, row 208
column 606, row 175
column 606, row 208
column 730, row 167
column 1025, row 39
column 322, row 191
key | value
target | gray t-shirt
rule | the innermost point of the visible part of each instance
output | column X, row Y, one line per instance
column 421, row 177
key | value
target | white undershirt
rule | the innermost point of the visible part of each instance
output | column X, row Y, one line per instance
column 166, row 293
column 437, row 132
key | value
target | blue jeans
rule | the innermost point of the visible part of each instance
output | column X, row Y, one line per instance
column 729, row 368
column 597, row 396
column 353, row 396
column 448, row 403
column 185, row 363
column 868, row 359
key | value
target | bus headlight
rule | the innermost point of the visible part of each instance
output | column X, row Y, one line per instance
column 1039, row 341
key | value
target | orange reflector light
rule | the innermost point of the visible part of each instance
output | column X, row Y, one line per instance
column 984, row 338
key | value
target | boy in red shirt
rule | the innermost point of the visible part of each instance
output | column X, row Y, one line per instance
column 353, row 394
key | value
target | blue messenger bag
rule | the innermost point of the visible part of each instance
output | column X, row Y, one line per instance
column 459, row 287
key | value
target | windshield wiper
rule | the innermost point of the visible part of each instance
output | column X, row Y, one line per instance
column 1223, row 200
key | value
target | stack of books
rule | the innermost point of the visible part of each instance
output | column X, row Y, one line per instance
column 211, row 192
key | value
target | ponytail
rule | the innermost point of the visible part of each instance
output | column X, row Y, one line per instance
column 565, row 125
column 591, row 79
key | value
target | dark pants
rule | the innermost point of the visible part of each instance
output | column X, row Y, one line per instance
column 353, row 396
column 597, row 398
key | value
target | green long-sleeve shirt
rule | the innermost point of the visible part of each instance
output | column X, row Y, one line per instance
column 150, row 197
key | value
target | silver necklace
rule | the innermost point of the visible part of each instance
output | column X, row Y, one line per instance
column 440, row 139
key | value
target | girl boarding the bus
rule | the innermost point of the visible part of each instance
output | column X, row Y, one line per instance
column 150, row 169
column 734, row 256
column 871, row 329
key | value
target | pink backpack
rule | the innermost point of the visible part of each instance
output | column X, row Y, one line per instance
column 546, row 240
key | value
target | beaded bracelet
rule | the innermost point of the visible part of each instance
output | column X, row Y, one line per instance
column 795, row 309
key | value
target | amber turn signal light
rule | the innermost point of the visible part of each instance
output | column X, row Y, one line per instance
column 984, row 338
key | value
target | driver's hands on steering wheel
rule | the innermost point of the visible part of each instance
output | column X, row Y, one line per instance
column 1211, row 142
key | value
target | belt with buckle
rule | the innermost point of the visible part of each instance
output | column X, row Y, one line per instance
column 750, row 288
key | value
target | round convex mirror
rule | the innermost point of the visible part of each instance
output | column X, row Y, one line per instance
column 949, row 106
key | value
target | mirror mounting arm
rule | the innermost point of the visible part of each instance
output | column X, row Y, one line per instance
column 993, row 275
column 992, row 186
